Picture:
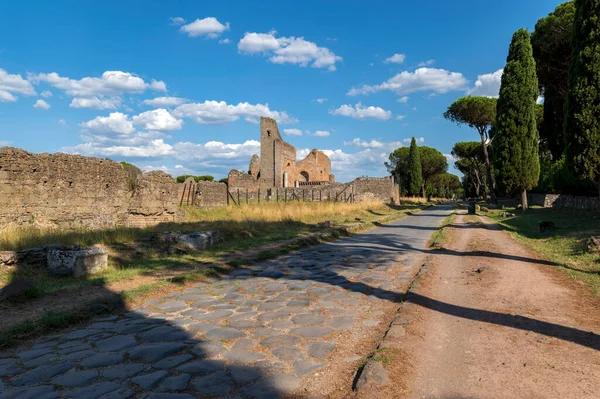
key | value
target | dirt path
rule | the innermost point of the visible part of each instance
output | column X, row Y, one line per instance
column 517, row 328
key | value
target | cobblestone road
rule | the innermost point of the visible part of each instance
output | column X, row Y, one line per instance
column 293, row 324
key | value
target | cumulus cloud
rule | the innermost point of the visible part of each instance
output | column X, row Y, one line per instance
column 450, row 158
column 288, row 50
column 62, row 122
column 419, row 140
column 46, row 94
column 13, row 84
column 360, row 112
column 292, row 132
column 487, row 85
column 96, row 103
column 116, row 122
column 209, row 27
column 400, row 117
column 159, row 119
column 403, row 99
column 165, row 101
column 364, row 144
column 321, row 133
column 426, row 63
column 423, row 79
column 41, row 104
column 177, row 21
column 111, row 83
column 321, row 100
column 224, row 41
column 219, row 112
column 396, row 59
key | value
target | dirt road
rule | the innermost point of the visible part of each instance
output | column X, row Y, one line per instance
column 491, row 320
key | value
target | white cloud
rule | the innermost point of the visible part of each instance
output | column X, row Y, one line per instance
column 403, row 99
column 487, row 85
column 159, row 120
column 426, row 63
column 177, row 21
column 13, row 84
column 154, row 149
column 46, row 94
column 62, row 122
column 96, row 103
column 165, row 101
column 4, row 143
column 414, row 108
column 292, row 132
column 219, row 112
column 540, row 100
column 224, row 41
column 292, row 50
column 450, row 158
column 360, row 112
column 419, row 140
column 396, row 59
column 400, row 117
column 365, row 144
column 41, row 104
column 321, row 100
column 116, row 122
column 209, row 27
column 111, row 83
column 422, row 79
column 321, row 133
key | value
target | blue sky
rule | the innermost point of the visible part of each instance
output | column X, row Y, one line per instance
column 179, row 85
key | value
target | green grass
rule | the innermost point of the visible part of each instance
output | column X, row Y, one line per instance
column 565, row 246
column 441, row 234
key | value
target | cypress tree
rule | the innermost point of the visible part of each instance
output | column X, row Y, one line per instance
column 415, row 175
column 516, row 138
column 582, row 107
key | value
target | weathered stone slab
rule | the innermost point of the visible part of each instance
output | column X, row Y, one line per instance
column 79, row 263
column 155, row 352
column 42, row 373
column 218, row 383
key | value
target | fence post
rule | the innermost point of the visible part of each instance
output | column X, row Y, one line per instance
column 285, row 191
column 320, row 195
column 259, row 195
column 313, row 195
column 183, row 195
column 302, row 195
column 246, row 195
column 238, row 190
column 277, row 193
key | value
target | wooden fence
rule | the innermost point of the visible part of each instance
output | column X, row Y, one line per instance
column 246, row 196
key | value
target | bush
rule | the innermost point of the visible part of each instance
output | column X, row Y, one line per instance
column 133, row 173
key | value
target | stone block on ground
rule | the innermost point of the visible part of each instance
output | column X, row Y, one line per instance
column 593, row 245
column 194, row 241
column 78, row 262
column 373, row 374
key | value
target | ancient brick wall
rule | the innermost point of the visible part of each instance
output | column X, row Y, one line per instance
column 315, row 167
column 75, row 191
column 241, row 180
column 564, row 201
column 211, row 194
column 378, row 188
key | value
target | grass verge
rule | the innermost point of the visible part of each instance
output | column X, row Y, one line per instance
column 566, row 246
column 441, row 234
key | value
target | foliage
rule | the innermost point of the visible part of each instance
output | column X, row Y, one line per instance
column 415, row 172
column 445, row 185
column 582, row 109
column 133, row 173
column 552, row 46
column 480, row 114
column 224, row 180
column 471, row 163
column 516, row 136
column 432, row 162
column 182, row 178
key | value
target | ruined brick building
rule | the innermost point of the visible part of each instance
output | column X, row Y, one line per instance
column 277, row 166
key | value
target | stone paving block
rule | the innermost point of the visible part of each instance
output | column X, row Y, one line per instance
column 124, row 371
column 116, row 343
column 147, row 381
column 32, row 354
column 77, row 334
column 305, row 367
column 221, row 314
column 155, row 352
column 245, row 324
column 165, row 334
column 273, row 385
column 175, row 383
column 38, row 361
column 242, row 356
column 153, row 395
column 201, row 366
column 207, row 349
column 94, row 391
column 287, row 353
column 201, row 327
column 75, row 378
column 280, row 340
column 308, row 319
column 341, row 323
column 320, row 350
column 218, row 383
column 79, row 355
column 42, row 373
column 244, row 343
column 244, row 374
column 223, row 334
column 312, row 332
column 102, row 360
column 172, row 361
column 39, row 392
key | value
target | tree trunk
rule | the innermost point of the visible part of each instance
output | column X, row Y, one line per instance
column 423, row 189
column 524, row 200
column 488, row 168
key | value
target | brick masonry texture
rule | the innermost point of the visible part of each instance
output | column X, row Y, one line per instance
column 564, row 201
